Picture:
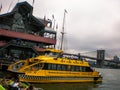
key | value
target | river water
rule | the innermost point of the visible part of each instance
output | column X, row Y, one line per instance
column 111, row 81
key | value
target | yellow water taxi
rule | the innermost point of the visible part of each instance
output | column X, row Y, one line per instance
column 55, row 66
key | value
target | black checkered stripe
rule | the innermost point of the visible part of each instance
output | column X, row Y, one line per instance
column 27, row 77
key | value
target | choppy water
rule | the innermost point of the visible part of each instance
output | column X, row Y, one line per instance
column 111, row 81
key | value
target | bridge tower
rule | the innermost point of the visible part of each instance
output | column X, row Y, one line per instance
column 100, row 58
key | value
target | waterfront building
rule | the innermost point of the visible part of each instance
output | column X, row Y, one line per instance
column 23, row 35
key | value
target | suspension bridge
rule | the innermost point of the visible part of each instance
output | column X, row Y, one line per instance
column 100, row 56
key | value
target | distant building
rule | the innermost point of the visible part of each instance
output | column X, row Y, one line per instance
column 116, row 59
column 22, row 35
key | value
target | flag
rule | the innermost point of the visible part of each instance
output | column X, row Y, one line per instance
column 66, row 11
column 44, row 18
column 52, row 16
column 45, row 21
column 0, row 7
column 56, row 26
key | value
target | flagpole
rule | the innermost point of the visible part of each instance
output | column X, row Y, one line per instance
column 54, row 24
column 61, row 46
column 33, row 3
column 0, row 7
column 53, row 21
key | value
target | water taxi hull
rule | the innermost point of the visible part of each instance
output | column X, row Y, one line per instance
column 52, row 79
column 51, row 69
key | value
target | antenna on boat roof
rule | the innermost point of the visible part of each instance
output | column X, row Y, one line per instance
column 61, row 46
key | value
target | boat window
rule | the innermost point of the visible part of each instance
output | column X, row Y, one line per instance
column 77, row 68
column 54, row 66
column 72, row 68
column 88, row 69
column 80, row 68
column 19, row 65
column 83, row 69
column 37, row 66
column 47, row 53
column 45, row 66
column 59, row 67
column 49, row 66
column 64, row 67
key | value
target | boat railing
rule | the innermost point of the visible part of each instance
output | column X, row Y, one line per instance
column 70, row 56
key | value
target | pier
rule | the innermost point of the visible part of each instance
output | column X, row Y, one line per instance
column 22, row 35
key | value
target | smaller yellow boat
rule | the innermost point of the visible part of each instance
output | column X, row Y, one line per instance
column 55, row 66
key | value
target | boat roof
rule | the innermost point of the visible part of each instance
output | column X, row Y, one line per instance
column 65, row 61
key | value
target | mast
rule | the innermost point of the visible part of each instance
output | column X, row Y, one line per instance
column 61, row 46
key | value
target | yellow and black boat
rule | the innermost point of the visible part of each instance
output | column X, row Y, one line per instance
column 55, row 66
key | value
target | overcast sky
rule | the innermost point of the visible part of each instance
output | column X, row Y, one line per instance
column 89, row 24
